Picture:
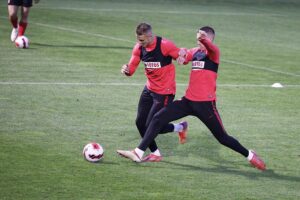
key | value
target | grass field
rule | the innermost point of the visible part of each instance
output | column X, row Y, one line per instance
column 66, row 90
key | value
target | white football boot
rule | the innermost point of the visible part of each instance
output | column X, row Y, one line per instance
column 132, row 155
column 14, row 34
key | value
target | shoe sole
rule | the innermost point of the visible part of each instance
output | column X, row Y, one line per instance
column 128, row 157
column 151, row 160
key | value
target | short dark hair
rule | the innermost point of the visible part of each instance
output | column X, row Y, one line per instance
column 143, row 28
column 208, row 30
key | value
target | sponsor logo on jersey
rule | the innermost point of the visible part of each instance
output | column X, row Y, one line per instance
column 152, row 65
column 198, row 65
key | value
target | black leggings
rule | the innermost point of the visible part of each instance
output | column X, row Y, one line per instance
column 206, row 111
column 149, row 104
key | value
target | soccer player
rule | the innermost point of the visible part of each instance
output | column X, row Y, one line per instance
column 13, row 7
column 199, row 101
column 156, row 53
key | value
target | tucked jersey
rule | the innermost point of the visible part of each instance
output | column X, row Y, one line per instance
column 159, row 69
column 203, row 76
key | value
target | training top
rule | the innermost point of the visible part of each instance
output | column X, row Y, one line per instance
column 159, row 69
column 203, row 76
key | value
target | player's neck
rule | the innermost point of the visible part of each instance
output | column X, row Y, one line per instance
column 152, row 39
column 152, row 42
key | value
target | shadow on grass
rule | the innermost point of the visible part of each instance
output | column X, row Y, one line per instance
column 80, row 46
column 203, row 145
column 108, row 163
column 269, row 173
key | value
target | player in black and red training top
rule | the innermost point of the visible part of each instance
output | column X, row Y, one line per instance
column 13, row 6
column 199, row 101
column 157, row 54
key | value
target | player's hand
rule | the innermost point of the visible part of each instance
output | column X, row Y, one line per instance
column 180, row 60
column 182, row 52
column 201, row 35
column 36, row 1
column 182, row 55
column 125, row 69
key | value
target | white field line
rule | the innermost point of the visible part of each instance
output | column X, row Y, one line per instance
column 83, row 32
column 127, row 84
column 260, row 68
column 132, row 42
column 162, row 11
column 176, row 12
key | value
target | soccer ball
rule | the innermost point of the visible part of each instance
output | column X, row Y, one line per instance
column 22, row 42
column 93, row 152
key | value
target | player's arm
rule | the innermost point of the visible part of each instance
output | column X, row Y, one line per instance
column 188, row 56
column 212, row 49
column 170, row 49
column 129, row 69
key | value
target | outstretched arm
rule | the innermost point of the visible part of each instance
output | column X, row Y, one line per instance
column 168, row 48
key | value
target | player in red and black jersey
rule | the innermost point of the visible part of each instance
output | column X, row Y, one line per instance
column 199, row 101
column 157, row 54
column 13, row 6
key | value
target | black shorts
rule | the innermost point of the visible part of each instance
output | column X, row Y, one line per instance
column 25, row 3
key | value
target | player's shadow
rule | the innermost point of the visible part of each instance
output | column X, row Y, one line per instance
column 203, row 145
column 80, row 46
column 269, row 173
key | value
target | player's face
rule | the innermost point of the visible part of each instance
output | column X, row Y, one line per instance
column 144, row 40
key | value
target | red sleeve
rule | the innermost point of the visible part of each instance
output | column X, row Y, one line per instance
column 212, row 49
column 189, row 55
column 168, row 48
column 134, row 60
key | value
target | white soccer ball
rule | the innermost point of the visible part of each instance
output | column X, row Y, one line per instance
column 93, row 152
column 22, row 42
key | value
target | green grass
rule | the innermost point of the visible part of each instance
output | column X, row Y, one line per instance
column 47, row 116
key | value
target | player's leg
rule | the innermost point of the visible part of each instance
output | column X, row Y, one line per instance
column 170, row 113
column 144, row 107
column 161, row 101
column 13, row 18
column 180, row 128
column 158, row 102
column 209, row 115
column 176, row 110
column 24, row 18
